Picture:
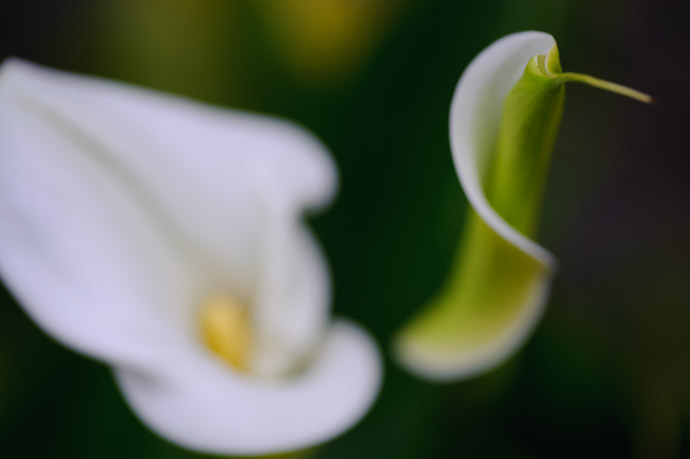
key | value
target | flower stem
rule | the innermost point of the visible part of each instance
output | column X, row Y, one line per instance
column 608, row 86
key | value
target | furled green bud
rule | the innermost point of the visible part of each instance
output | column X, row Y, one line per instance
column 505, row 117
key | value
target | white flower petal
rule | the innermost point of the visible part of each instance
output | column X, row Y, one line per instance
column 210, row 178
column 84, row 261
column 199, row 405
column 120, row 208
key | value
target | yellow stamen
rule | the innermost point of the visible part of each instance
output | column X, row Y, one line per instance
column 226, row 329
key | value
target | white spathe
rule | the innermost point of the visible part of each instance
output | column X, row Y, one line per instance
column 122, row 209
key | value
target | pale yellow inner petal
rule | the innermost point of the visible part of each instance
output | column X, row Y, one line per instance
column 226, row 329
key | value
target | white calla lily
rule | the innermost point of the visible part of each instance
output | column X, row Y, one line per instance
column 163, row 237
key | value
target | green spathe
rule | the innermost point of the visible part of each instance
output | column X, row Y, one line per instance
column 531, row 117
column 500, row 278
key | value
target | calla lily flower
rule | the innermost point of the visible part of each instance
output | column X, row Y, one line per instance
column 504, row 120
column 163, row 237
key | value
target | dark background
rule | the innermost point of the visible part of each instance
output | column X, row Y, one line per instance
column 607, row 373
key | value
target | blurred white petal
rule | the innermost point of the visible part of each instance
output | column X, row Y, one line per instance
column 121, row 208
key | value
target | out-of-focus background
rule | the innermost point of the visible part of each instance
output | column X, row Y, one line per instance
column 607, row 373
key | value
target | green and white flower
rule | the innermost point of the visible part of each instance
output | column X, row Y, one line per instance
column 504, row 120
